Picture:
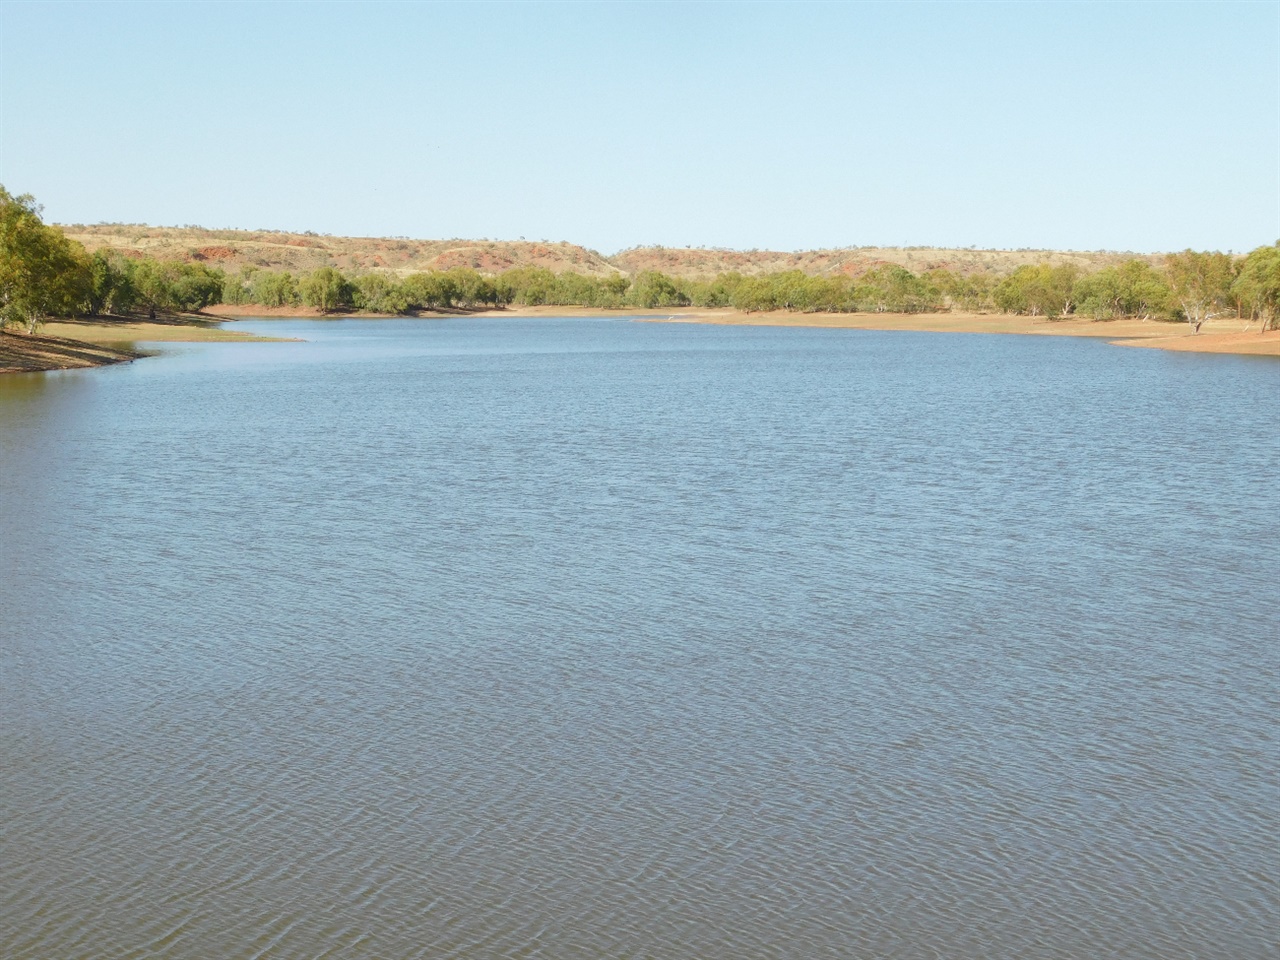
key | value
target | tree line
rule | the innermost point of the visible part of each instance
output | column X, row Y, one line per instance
column 44, row 275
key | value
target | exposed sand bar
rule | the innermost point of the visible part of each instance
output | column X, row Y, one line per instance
column 71, row 344
column 21, row 353
column 1217, row 336
column 1256, row 344
column 181, row 330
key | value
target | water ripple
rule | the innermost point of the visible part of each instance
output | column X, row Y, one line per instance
column 582, row 639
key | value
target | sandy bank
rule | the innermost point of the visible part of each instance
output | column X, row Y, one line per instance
column 1218, row 336
column 68, row 344
column 254, row 311
column 23, row 353
column 114, row 330
column 1256, row 344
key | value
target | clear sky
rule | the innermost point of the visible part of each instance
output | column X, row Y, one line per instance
column 1127, row 126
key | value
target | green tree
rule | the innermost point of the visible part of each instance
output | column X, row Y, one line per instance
column 111, row 288
column 379, row 293
column 654, row 289
column 194, row 286
column 151, row 281
column 238, row 288
column 472, row 290
column 174, row 285
column 971, row 292
column 430, row 290
column 326, row 289
column 530, row 286
column 1258, row 285
column 896, row 289
column 1201, row 284
column 275, row 289
column 1039, row 290
column 716, row 293
column 42, row 273
column 1131, row 289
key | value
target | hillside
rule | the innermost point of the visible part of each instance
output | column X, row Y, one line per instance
column 300, row 253
column 303, row 252
column 853, row 260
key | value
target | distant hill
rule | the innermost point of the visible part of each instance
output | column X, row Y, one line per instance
column 854, row 261
column 302, row 252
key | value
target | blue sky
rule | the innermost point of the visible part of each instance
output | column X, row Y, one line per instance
column 1126, row 126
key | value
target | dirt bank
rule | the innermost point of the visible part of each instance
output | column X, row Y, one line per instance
column 24, row 353
column 1256, row 344
column 97, row 341
column 1217, row 336
column 115, row 330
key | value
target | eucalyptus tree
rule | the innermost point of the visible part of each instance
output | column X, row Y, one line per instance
column 111, row 287
column 380, row 293
column 273, row 289
column 1038, row 290
column 174, row 285
column 429, row 290
column 326, row 289
column 1131, row 289
column 1258, row 285
column 42, row 273
column 653, row 289
column 1200, row 283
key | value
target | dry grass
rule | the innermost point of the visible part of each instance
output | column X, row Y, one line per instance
column 855, row 261
column 231, row 249
column 300, row 253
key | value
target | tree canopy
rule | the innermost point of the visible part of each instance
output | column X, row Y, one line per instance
column 1258, row 285
column 42, row 273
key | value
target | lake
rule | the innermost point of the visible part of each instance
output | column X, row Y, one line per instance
column 590, row 638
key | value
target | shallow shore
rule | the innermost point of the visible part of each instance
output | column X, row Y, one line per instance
column 1220, row 336
column 113, row 330
column 96, row 342
column 28, row 353
column 1217, row 336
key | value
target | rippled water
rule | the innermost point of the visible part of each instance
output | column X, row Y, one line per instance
column 583, row 639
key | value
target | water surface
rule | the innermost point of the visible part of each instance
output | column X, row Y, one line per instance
column 586, row 638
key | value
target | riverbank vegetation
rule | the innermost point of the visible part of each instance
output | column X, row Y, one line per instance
column 45, row 275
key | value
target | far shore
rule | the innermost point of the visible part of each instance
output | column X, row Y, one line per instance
column 1216, row 336
column 95, row 341
column 1222, row 335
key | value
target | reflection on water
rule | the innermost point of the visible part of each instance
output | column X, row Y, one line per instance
column 587, row 639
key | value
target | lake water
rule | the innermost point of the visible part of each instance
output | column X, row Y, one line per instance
column 591, row 638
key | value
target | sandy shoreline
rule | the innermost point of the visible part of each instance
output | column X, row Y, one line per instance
column 24, row 353
column 115, row 330
column 1221, row 336
column 1217, row 336
column 96, row 342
